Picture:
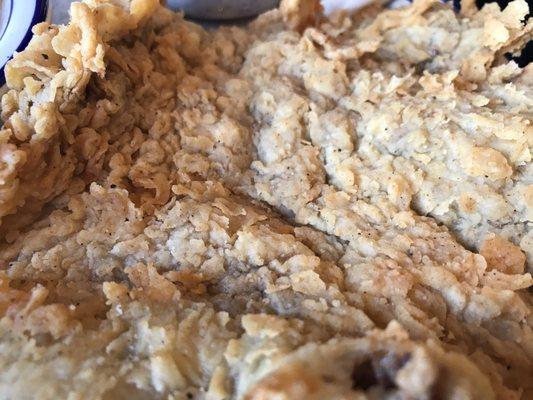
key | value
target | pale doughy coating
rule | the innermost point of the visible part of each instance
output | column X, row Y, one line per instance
column 258, row 213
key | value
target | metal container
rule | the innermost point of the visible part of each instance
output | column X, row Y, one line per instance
column 222, row 9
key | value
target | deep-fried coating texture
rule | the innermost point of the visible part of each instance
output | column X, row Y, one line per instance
column 268, row 212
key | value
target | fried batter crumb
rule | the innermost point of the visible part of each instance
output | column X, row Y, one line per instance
column 299, row 14
column 298, row 208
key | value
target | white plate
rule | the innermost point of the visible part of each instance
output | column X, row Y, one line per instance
column 16, row 20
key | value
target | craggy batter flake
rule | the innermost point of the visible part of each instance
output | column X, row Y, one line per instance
column 258, row 213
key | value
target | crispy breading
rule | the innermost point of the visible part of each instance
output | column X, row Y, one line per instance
column 299, row 14
column 342, row 211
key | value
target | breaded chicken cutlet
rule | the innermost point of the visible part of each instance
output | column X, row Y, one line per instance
column 300, row 208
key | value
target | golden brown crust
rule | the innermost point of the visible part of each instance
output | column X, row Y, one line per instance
column 259, row 212
column 289, row 382
column 300, row 14
column 503, row 255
